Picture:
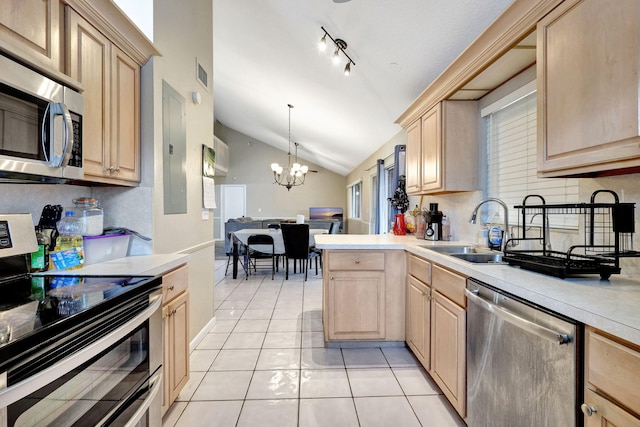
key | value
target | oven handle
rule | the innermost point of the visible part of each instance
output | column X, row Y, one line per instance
column 156, row 385
column 535, row 328
column 26, row 387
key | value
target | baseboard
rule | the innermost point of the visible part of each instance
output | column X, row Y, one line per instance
column 364, row 344
column 202, row 334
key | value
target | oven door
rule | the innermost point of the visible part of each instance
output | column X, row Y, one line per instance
column 114, row 380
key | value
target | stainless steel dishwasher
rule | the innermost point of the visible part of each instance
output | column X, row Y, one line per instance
column 523, row 362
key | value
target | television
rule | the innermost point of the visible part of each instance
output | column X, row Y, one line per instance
column 327, row 214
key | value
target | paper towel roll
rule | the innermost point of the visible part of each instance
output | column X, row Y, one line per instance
column 299, row 219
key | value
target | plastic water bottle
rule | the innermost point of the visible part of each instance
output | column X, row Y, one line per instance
column 68, row 253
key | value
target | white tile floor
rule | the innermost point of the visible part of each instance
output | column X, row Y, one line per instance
column 264, row 364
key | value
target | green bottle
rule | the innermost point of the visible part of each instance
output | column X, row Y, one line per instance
column 40, row 258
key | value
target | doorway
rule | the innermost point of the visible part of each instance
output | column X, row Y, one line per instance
column 233, row 204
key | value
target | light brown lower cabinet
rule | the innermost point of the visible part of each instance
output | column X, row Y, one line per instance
column 362, row 298
column 446, row 323
column 357, row 299
column 418, row 325
column 175, row 323
column 448, row 350
column 612, row 376
column 606, row 413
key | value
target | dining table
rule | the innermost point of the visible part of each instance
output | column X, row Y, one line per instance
column 240, row 238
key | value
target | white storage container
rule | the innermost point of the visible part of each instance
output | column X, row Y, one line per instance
column 104, row 248
column 90, row 213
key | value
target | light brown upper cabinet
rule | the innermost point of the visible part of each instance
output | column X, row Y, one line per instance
column 442, row 149
column 413, row 158
column 31, row 30
column 111, row 82
column 588, row 62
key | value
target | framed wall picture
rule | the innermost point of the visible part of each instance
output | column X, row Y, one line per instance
column 208, row 161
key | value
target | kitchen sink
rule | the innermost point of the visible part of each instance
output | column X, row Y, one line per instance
column 480, row 258
column 469, row 253
column 456, row 249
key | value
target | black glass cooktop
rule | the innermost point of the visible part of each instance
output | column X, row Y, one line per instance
column 30, row 303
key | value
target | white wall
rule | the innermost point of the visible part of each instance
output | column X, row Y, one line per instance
column 183, row 34
column 363, row 172
column 249, row 163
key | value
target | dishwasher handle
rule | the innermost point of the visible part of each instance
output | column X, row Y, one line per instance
column 541, row 331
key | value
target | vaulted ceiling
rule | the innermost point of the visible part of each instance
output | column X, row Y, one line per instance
column 266, row 56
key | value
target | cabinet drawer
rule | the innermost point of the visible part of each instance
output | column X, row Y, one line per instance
column 356, row 260
column 613, row 368
column 419, row 268
column 174, row 283
column 449, row 284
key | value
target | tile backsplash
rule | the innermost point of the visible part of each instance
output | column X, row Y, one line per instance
column 123, row 207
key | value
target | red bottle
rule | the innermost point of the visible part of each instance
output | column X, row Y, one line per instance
column 399, row 227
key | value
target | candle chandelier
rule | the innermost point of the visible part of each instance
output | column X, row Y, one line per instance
column 340, row 45
column 294, row 174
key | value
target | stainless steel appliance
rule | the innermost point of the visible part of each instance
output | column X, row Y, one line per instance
column 434, row 223
column 523, row 362
column 40, row 126
column 76, row 350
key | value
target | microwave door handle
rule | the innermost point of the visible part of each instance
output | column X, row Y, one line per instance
column 43, row 132
column 57, row 149
column 68, row 135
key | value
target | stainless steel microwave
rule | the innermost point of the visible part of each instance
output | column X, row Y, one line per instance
column 40, row 126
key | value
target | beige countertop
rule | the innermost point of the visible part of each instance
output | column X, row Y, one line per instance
column 141, row 265
column 610, row 305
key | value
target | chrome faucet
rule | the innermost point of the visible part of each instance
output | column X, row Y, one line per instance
column 472, row 220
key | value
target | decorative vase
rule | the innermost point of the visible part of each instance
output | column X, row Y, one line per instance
column 399, row 228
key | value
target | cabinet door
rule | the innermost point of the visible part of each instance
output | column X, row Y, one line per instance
column 606, row 413
column 587, row 67
column 356, row 303
column 89, row 59
column 30, row 29
column 176, row 347
column 125, row 113
column 432, row 149
column 419, row 320
column 414, row 158
column 448, row 352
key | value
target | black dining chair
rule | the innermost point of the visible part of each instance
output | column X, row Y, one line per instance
column 230, row 253
column 334, row 228
column 260, row 247
column 296, row 247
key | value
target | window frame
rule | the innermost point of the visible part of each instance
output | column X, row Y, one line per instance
column 355, row 199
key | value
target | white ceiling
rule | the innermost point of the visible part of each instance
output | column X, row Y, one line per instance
column 266, row 56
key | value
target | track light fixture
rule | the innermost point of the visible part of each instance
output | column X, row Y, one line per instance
column 341, row 46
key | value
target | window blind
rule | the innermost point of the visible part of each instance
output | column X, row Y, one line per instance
column 511, row 171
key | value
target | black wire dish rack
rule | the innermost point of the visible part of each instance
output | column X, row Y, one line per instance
column 607, row 230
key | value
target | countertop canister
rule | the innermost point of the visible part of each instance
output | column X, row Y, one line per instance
column 91, row 216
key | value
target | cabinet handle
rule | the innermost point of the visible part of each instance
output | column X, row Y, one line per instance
column 171, row 287
column 117, row 169
column 331, row 277
column 357, row 261
column 588, row 410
